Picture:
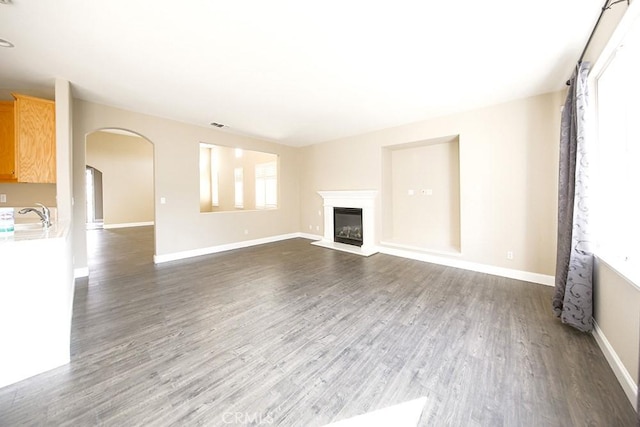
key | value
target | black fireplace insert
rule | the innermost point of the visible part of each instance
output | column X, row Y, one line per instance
column 347, row 225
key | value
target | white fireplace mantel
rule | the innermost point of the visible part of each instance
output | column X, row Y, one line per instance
column 363, row 199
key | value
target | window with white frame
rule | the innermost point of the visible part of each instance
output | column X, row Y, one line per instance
column 267, row 185
column 617, row 88
column 238, row 178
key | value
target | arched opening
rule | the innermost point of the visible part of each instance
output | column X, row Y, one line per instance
column 120, row 207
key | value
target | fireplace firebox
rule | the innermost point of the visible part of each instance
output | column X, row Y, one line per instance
column 347, row 224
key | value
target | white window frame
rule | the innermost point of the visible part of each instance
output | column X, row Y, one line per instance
column 616, row 206
column 266, row 185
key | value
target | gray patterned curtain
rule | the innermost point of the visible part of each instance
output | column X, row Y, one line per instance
column 573, row 298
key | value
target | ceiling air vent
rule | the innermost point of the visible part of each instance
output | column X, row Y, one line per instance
column 218, row 125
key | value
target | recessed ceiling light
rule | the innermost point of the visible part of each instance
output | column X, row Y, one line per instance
column 5, row 43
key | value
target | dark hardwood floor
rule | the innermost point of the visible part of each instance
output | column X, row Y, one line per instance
column 292, row 334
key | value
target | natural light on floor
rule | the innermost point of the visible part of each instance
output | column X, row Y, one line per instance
column 406, row 414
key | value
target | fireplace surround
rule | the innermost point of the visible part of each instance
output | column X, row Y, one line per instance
column 364, row 200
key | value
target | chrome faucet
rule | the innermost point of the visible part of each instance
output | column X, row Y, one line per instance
column 45, row 214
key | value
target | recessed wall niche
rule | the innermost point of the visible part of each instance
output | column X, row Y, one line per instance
column 421, row 202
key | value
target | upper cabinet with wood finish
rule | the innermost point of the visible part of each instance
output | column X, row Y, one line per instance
column 28, row 140
column 7, row 142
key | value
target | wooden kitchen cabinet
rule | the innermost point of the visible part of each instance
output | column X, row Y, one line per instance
column 7, row 142
column 33, row 153
column 35, row 127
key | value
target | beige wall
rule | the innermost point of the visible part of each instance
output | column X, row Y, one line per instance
column 28, row 194
column 179, row 224
column 617, row 312
column 508, row 177
column 126, row 163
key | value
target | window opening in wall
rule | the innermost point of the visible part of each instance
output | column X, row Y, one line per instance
column 267, row 185
column 222, row 189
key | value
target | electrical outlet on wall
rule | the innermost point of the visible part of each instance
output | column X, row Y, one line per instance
column 509, row 255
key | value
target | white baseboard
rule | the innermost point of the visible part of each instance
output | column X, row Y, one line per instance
column 418, row 256
column 158, row 259
column 127, row 224
column 526, row 276
column 465, row 265
column 310, row 236
column 622, row 374
column 81, row 272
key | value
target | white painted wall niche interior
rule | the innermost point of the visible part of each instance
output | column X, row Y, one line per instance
column 422, row 204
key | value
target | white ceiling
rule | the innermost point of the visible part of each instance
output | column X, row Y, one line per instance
column 295, row 72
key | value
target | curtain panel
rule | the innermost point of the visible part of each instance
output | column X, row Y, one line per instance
column 573, row 298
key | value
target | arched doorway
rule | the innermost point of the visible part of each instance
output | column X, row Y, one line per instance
column 124, row 161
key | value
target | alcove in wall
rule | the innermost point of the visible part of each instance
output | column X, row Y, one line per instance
column 421, row 195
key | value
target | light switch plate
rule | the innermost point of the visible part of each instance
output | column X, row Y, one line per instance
column 3, row 198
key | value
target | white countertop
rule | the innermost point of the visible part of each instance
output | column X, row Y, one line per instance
column 33, row 231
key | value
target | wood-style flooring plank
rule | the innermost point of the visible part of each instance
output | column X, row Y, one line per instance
column 292, row 334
